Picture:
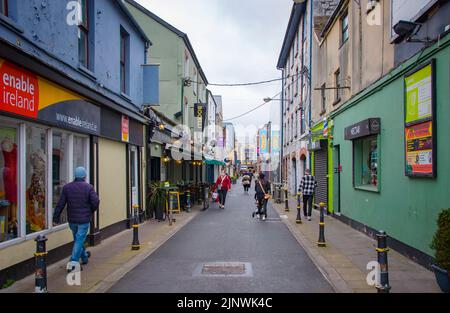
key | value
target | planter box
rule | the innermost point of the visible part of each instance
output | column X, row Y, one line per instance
column 442, row 278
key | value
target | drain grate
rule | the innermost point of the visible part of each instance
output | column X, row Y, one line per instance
column 224, row 269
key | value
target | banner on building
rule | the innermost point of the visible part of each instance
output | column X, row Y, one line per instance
column 263, row 142
column 420, row 124
column 275, row 141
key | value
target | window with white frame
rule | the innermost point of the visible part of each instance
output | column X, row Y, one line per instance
column 36, row 162
column 36, row 179
column 9, row 193
column 61, row 167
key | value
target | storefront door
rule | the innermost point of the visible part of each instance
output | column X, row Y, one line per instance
column 134, row 176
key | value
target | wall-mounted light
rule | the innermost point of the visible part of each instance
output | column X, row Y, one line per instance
column 406, row 30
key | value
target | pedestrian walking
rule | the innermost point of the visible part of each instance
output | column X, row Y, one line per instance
column 262, row 189
column 246, row 182
column 81, row 201
column 307, row 188
column 223, row 184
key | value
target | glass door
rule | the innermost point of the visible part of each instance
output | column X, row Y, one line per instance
column 134, row 176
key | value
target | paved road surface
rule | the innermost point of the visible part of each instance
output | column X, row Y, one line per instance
column 275, row 262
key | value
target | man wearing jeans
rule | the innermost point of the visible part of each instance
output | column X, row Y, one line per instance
column 81, row 201
column 307, row 188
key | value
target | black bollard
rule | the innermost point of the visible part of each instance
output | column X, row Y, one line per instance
column 286, row 200
column 135, row 244
column 188, row 200
column 41, row 265
column 299, row 208
column 321, row 242
column 382, row 251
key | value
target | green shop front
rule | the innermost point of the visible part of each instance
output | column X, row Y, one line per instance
column 321, row 149
column 392, row 146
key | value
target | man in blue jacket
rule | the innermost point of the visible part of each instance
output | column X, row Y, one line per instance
column 81, row 201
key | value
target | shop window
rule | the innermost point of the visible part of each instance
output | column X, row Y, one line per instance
column 79, row 152
column 9, row 214
column 4, row 7
column 36, row 178
column 366, row 162
column 61, row 169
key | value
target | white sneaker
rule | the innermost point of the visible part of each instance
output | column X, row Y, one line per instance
column 264, row 218
column 257, row 215
column 309, row 218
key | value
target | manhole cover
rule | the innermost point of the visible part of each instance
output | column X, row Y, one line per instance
column 224, row 269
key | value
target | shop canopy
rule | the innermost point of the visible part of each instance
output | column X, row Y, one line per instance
column 215, row 162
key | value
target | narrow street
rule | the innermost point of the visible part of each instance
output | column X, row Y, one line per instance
column 278, row 263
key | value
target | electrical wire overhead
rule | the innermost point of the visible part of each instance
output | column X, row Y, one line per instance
column 252, row 110
column 245, row 84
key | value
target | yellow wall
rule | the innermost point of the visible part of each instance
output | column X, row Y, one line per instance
column 17, row 253
column 112, row 181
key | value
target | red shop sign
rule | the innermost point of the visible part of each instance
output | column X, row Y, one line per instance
column 19, row 91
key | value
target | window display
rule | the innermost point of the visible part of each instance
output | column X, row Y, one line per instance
column 8, row 184
column 36, row 176
column 79, row 152
column 366, row 162
column 60, row 168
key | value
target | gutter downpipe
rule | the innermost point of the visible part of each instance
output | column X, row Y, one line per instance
column 282, row 128
column 310, row 72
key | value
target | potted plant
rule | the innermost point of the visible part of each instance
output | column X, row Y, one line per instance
column 441, row 244
column 156, row 199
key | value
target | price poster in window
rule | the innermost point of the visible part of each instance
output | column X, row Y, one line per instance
column 420, row 123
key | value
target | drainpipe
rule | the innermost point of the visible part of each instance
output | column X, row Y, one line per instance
column 310, row 71
column 282, row 128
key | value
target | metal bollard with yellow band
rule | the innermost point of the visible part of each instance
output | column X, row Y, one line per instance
column 40, row 285
column 135, row 244
column 382, row 251
column 299, row 208
column 321, row 242
column 286, row 200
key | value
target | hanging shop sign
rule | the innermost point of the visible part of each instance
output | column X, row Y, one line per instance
column 200, row 116
column 371, row 126
column 25, row 94
column 420, row 122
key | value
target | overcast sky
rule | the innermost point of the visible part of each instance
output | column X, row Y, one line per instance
column 235, row 41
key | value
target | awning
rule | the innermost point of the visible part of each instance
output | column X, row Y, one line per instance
column 215, row 162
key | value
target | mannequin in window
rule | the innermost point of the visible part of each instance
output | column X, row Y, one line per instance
column 36, row 193
column 9, row 151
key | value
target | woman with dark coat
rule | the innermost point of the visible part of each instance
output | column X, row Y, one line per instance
column 262, row 189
